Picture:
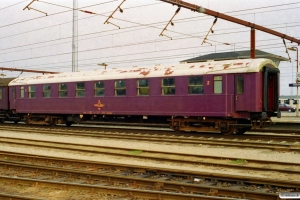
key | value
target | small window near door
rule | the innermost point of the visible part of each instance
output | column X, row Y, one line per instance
column 218, row 84
column 22, row 92
column 240, row 85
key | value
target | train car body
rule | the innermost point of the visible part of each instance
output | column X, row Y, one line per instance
column 227, row 95
column 5, row 112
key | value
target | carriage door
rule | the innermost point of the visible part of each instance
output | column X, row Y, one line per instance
column 240, row 97
column 1, row 98
column 12, row 103
column 271, row 94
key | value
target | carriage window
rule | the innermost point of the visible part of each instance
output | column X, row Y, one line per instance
column 0, row 93
column 14, row 92
column 80, row 89
column 46, row 91
column 218, row 84
column 99, row 89
column 120, row 88
column 31, row 91
column 196, row 85
column 22, row 91
column 240, row 85
column 143, row 87
column 168, row 86
column 62, row 90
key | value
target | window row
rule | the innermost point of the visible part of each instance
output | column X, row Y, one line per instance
column 195, row 86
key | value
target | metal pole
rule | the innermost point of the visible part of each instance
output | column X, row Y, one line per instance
column 297, row 105
column 75, row 38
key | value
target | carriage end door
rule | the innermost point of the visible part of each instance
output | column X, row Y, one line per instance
column 240, row 97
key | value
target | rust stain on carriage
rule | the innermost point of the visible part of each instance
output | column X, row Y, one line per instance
column 168, row 72
column 192, row 66
column 238, row 63
column 202, row 66
column 99, row 105
column 144, row 73
column 226, row 66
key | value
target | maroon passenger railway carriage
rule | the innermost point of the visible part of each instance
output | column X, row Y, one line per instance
column 219, row 96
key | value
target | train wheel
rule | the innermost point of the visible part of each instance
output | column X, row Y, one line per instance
column 54, row 122
column 229, row 131
column 16, row 121
column 1, row 120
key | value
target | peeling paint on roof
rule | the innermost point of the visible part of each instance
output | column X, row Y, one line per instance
column 212, row 67
column 168, row 72
column 145, row 73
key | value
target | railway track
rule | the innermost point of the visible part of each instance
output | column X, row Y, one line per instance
column 127, row 180
column 273, row 142
column 286, row 172
column 283, row 169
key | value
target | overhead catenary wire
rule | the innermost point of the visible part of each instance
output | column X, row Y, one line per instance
column 126, row 8
column 145, row 42
column 13, row 5
column 153, row 58
column 148, row 52
column 71, row 21
column 136, row 43
column 52, row 15
column 37, row 47
column 109, row 31
column 167, row 50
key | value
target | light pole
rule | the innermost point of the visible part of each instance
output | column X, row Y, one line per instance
column 296, row 49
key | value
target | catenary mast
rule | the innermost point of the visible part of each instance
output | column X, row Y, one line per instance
column 75, row 37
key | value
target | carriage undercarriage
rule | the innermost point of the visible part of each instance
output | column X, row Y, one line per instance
column 226, row 126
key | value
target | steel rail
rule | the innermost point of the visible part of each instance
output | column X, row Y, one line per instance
column 78, row 130
column 129, row 192
column 229, row 142
column 283, row 134
column 4, row 196
column 128, row 177
column 190, row 159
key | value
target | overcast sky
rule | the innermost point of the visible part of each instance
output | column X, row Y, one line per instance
column 31, row 40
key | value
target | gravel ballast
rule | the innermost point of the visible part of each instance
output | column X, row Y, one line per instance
column 235, row 153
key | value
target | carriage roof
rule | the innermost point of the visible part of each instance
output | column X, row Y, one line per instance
column 187, row 69
column 5, row 81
